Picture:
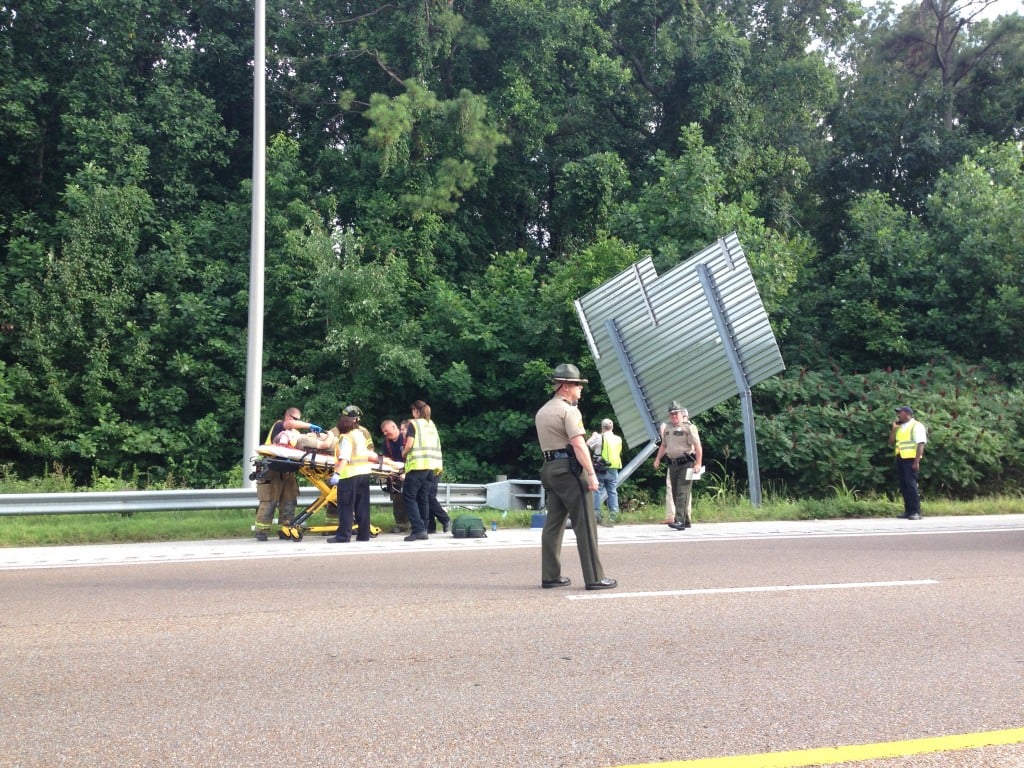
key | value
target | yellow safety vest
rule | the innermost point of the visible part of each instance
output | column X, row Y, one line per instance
column 611, row 451
column 270, row 434
column 426, row 447
column 359, row 461
column 906, row 448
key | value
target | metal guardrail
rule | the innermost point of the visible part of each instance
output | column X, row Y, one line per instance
column 125, row 502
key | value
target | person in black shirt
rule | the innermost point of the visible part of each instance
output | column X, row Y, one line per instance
column 392, row 448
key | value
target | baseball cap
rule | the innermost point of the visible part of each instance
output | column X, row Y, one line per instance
column 905, row 408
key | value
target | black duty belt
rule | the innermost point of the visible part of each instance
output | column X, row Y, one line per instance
column 681, row 460
column 552, row 455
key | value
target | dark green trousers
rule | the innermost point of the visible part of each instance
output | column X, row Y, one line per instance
column 567, row 496
column 681, row 490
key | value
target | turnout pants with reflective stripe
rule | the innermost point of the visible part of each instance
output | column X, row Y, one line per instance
column 276, row 491
column 568, row 497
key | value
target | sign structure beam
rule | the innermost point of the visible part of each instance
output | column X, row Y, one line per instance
column 718, row 312
column 627, row 366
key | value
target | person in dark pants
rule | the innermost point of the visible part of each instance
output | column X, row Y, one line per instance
column 423, row 460
column 438, row 514
column 392, row 448
column 569, row 480
column 681, row 447
column 352, row 478
column 908, row 437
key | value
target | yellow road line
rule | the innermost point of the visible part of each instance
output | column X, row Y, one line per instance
column 849, row 754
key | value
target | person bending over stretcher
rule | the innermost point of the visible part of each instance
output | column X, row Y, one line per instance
column 275, row 490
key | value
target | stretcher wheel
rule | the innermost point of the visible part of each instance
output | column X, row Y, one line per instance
column 296, row 534
column 283, row 535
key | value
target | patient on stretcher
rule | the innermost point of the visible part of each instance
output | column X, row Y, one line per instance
column 322, row 460
column 323, row 442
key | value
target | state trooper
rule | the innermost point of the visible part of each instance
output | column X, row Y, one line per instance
column 681, row 447
column 569, row 481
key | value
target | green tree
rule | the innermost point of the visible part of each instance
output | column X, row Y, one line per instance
column 688, row 208
column 905, row 289
column 919, row 90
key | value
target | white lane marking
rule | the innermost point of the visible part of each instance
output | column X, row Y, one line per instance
column 735, row 590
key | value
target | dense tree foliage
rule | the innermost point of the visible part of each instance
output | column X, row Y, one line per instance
column 445, row 178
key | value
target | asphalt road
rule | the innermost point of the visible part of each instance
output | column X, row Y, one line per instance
column 721, row 641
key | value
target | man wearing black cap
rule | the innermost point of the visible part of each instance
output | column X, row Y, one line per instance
column 569, row 481
column 907, row 436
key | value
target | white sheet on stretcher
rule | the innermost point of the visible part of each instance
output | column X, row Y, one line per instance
column 321, row 460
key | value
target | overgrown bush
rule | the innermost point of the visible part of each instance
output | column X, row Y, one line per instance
column 817, row 432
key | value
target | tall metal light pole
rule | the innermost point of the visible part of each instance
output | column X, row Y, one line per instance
column 254, row 354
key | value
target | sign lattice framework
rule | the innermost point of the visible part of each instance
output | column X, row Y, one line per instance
column 655, row 338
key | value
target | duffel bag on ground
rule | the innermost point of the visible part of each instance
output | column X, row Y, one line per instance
column 466, row 527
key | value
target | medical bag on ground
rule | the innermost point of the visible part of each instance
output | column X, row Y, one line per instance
column 466, row 527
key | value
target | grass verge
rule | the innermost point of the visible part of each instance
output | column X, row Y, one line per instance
column 50, row 530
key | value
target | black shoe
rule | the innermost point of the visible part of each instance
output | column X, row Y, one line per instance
column 914, row 516
column 561, row 581
column 261, row 535
column 416, row 537
column 447, row 526
column 677, row 526
column 337, row 540
column 687, row 524
column 603, row 584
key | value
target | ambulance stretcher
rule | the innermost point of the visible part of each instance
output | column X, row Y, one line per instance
column 317, row 467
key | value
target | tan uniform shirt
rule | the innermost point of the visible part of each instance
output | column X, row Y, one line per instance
column 558, row 422
column 680, row 440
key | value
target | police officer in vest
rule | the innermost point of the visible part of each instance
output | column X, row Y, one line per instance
column 681, row 447
column 569, row 481
column 908, row 436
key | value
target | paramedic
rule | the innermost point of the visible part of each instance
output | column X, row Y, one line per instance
column 569, row 480
column 352, row 478
column 279, row 490
column 681, row 446
column 422, row 456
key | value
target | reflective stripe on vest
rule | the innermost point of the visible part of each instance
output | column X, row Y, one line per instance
column 359, row 461
column 906, row 448
column 426, row 447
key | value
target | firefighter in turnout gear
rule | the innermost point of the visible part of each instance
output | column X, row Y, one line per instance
column 279, row 490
